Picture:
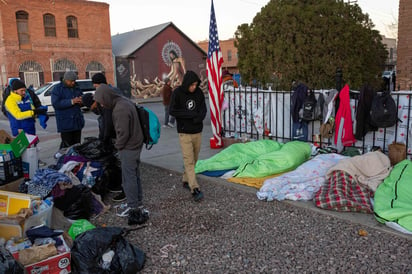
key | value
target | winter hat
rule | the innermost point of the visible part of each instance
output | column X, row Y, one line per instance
column 99, row 78
column 17, row 84
column 70, row 75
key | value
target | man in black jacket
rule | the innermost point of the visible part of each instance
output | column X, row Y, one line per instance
column 188, row 106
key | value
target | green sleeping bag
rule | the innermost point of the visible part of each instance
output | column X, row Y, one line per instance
column 289, row 157
column 236, row 154
column 393, row 198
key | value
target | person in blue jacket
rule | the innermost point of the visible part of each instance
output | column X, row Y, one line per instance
column 21, row 109
column 66, row 99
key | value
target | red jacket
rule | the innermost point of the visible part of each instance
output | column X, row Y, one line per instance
column 344, row 116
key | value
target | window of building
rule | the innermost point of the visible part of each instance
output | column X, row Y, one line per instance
column 72, row 31
column 229, row 55
column 22, row 19
column 49, row 25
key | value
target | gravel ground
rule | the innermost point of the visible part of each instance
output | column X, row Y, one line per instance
column 231, row 231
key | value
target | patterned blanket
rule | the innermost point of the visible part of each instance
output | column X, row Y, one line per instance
column 342, row 193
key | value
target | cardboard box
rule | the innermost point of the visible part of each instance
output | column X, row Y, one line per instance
column 59, row 263
column 17, row 145
column 12, row 202
column 8, row 231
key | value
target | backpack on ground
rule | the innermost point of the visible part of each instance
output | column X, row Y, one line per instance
column 309, row 107
column 150, row 125
column 384, row 111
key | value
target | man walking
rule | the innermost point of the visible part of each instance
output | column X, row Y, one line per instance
column 129, row 143
column 188, row 106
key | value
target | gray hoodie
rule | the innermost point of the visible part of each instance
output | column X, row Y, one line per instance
column 125, row 120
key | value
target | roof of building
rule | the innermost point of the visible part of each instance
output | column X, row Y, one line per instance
column 124, row 44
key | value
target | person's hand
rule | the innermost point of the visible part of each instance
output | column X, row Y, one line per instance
column 77, row 100
column 40, row 111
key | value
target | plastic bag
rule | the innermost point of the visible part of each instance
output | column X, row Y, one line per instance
column 89, row 247
column 8, row 264
column 80, row 226
column 77, row 202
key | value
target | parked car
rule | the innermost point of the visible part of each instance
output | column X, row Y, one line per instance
column 44, row 92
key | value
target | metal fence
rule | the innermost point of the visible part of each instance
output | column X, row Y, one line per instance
column 252, row 114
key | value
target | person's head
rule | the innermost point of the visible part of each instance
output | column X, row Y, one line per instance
column 190, row 81
column 106, row 96
column 69, row 78
column 18, row 87
column 99, row 79
column 172, row 55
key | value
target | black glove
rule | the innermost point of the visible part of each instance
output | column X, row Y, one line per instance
column 40, row 111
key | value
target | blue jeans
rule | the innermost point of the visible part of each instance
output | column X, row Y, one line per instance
column 167, row 115
column 130, row 164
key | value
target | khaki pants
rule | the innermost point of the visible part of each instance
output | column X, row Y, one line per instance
column 190, row 144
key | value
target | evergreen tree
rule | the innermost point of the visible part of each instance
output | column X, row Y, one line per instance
column 307, row 40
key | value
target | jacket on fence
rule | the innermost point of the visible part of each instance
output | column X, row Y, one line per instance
column 343, row 122
column 188, row 108
column 69, row 117
column 363, row 125
column 296, row 101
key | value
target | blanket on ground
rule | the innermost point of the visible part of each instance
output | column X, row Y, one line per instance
column 369, row 169
column 302, row 183
column 290, row 156
column 253, row 182
column 343, row 193
column 393, row 198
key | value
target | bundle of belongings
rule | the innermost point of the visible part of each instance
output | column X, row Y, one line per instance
column 45, row 226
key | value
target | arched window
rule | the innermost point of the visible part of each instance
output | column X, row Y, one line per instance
column 22, row 19
column 49, row 25
column 72, row 31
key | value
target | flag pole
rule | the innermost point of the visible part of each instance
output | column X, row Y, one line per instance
column 214, row 76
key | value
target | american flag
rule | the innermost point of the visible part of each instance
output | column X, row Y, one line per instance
column 214, row 76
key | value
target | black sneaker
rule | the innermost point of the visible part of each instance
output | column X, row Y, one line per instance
column 197, row 195
column 119, row 197
column 186, row 185
column 138, row 216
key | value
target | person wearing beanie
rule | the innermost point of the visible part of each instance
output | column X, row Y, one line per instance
column 67, row 101
column 22, row 106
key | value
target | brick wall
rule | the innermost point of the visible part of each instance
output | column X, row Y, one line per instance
column 404, row 60
column 225, row 46
column 92, row 45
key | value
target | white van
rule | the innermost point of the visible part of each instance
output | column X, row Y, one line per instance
column 44, row 92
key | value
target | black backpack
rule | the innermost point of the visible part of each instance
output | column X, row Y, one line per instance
column 384, row 111
column 309, row 107
column 150, row 126
column 6, row 94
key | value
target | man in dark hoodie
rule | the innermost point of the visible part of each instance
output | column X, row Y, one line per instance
column 188, row 106
column 129, row 143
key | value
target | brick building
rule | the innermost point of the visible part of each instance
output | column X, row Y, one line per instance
column 41, row 39
column 229, row 53
column 404, row 60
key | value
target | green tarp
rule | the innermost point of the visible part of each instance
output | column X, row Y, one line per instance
column 393, row 198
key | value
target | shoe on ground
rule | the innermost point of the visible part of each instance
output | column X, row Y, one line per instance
column 165, row 126
column 58, row 155
column 119, row 197
column 138, row 216
column 115, row 189
column 122, row 210
column 171, row 125
column 186, row 185
column 42, row 164
column 197, row 195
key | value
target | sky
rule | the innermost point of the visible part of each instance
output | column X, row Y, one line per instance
column 192, row 16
